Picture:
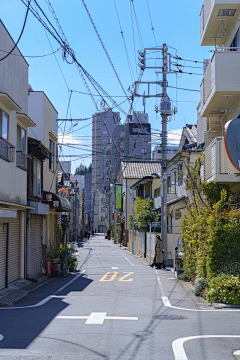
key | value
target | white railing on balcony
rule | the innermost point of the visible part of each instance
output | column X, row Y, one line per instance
column 22, row 160
column 222, row 65
column 216, row 160
column 7, row 150
column 204, row 15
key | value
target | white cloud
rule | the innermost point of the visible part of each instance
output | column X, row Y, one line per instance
column 174, row 136
column 71, row 139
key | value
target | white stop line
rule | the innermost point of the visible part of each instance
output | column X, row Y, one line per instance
column 178, row 348
column 96, row 318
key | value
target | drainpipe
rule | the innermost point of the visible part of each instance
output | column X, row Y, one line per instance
column 28, row 241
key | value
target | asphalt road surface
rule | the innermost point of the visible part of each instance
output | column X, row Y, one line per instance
column 116, row 307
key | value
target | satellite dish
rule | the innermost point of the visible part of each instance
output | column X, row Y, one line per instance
column 232, row 142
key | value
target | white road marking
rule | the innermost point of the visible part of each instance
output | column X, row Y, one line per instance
column 96, row 318
column 1, row 337
column 44, row 301
column 178, row 349
column 127, row 260
column 167, row 303
column 114, row 268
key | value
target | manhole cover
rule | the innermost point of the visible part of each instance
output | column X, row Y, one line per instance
column 169, row 317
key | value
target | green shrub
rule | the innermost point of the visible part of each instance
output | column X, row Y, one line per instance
column 184, row 276
column 199, row 286
column 224, row 288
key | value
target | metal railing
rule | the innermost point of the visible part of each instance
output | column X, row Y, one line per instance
column 7, row 150
column 171, row 188
column 204, row 15
column 233, row 268
column 22, row 160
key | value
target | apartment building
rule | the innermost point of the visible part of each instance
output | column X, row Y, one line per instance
column 14, row 126
column 220, row 87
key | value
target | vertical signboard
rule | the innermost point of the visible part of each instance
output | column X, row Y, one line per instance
column 118, row 195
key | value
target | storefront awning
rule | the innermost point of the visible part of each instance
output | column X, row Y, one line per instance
column 56, row 202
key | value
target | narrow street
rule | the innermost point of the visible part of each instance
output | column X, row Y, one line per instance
column 107, row 312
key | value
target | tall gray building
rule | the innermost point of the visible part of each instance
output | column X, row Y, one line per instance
column 103, row 124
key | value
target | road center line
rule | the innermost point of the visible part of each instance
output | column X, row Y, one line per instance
column 97, row 318
column 178, row 349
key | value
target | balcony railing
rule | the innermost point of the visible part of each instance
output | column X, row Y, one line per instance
column 217, row 166
column 221, row 78
column 205, row 12
column 7, row 150
column 171, row 188
column 22, row 160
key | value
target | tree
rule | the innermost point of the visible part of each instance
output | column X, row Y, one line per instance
column 143, row 214
column 211, row 228
column 83, row 170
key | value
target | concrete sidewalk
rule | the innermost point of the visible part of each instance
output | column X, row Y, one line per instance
column 20, row 288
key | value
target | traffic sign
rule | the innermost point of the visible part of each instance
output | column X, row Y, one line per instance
column 155, row 224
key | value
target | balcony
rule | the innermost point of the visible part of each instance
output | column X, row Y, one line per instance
column 22, row 160
column 171, row 188
column 220, row 87
column 217, row 16
column 7, row 150
column 217, row 166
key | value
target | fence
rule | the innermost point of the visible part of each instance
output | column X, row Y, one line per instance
column 233, row 268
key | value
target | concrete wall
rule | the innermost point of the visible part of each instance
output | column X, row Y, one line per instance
column 43, row 113
column 13, row 82
column 13, row 72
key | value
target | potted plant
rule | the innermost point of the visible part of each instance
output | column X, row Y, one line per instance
column 54, row 255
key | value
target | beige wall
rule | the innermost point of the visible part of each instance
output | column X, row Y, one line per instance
column 13, row 72
column 13, row 82
column 43, row 113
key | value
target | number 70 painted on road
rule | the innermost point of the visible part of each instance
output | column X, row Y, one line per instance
column 114, row 274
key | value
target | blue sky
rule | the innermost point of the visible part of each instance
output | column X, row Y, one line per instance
column 175, row 23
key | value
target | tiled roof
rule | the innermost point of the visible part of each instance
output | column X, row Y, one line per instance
column 139, row 169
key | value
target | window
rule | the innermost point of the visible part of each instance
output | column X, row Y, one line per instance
column 180, row 175
column 4, row 120
column 37, row 178
column 21, row 139
column 144, row 151
column 51, row 154
column 145, row 140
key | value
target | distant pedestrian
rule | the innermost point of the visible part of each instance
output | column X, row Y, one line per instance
column 108, row 234
column 158, row 258
column 88, row 235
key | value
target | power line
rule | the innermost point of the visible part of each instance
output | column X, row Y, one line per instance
column 25, row 20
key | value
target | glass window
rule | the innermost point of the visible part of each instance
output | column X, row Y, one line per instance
column 180, row 175
column 51, row 154
column 144, row 151
column 37, row 178
column 21, row 139
column 3, row 124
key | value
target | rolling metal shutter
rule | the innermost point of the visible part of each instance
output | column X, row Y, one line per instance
column 35, row 246
column 14, row 250
column 2, row 255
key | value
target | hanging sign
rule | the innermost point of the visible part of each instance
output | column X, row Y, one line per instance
column 118, row 188
column 232, row 142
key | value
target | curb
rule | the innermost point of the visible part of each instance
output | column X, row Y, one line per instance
column 13, row 297
column 225, row 306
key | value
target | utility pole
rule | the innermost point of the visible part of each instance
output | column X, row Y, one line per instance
column 75, row 234
column 165, row 110
column 164, row 59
